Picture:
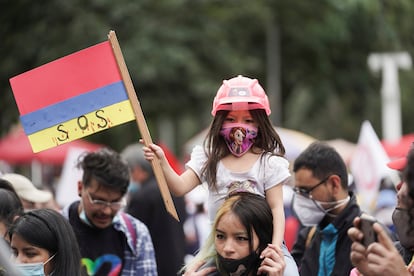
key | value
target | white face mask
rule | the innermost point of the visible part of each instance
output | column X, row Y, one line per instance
column 310, row 212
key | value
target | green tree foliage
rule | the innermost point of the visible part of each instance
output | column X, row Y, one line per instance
column 179, row 51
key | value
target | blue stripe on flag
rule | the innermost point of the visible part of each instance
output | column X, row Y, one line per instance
column 74, row 107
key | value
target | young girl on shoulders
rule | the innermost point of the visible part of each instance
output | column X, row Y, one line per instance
column 242, row 152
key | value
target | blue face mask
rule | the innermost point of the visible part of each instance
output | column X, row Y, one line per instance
column 32, row 269
column 84, row 218
column 133, row 187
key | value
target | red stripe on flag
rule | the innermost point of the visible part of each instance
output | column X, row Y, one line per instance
column 66, row 77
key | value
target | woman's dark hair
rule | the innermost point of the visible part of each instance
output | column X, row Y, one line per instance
column 10, row 207
column 254, row 214
column 48, row 229
column 267, row 140
column 6, row 185
column 408, row 175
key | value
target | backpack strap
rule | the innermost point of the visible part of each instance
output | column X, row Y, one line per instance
column 130, row 227
column 310, row 236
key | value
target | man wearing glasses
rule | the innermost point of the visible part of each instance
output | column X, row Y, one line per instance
column 111, row 242
column 326, row 209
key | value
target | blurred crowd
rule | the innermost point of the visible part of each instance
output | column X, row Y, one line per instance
column 174, row 243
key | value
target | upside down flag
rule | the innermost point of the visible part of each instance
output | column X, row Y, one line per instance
column 72, row 97
column 81, row 94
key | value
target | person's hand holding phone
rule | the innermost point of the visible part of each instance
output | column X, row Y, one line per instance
column 358, row 250
column 378, row 258
column 365, row 225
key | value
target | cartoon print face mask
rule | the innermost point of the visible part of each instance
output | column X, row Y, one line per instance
column 239, row 137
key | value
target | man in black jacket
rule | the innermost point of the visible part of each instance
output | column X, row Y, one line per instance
column 326, row 209
column 145, row 203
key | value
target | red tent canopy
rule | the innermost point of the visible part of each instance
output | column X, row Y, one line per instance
column 15, row 149
column 172, row 159
column 399, row 148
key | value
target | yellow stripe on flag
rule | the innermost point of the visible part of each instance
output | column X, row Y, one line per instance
column 81, row 126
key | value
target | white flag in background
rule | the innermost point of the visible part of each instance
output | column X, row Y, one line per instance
column 368, row 166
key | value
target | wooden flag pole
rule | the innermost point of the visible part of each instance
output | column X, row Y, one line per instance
column 142, row 124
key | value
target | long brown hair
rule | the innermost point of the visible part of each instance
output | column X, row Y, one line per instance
column 267, row 141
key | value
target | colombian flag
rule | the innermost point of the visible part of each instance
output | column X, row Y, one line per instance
column 72, row 97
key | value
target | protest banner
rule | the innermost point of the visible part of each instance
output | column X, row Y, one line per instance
column 78, row 95
column 71, row 97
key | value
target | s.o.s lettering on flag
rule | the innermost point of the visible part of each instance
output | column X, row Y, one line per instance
column 84, row 125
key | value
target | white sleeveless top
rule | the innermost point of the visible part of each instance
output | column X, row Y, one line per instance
column 265, row 173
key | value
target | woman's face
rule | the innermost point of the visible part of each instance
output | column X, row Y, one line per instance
column 231, row 240
column 25, row 253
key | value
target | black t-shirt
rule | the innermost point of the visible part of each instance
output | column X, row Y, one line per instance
column 102, row 250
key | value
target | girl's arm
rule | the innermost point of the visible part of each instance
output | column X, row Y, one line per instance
column 274, row 197
column 179, row 185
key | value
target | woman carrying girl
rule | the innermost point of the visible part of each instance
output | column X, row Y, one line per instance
column 241, row 232
column 251, row 162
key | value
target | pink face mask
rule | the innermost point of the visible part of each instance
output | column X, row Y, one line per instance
column 239, row 137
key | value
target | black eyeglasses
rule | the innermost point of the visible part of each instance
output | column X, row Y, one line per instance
column 307, row 192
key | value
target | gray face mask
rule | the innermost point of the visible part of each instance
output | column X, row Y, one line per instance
column 401, row 220
column 310, row 212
